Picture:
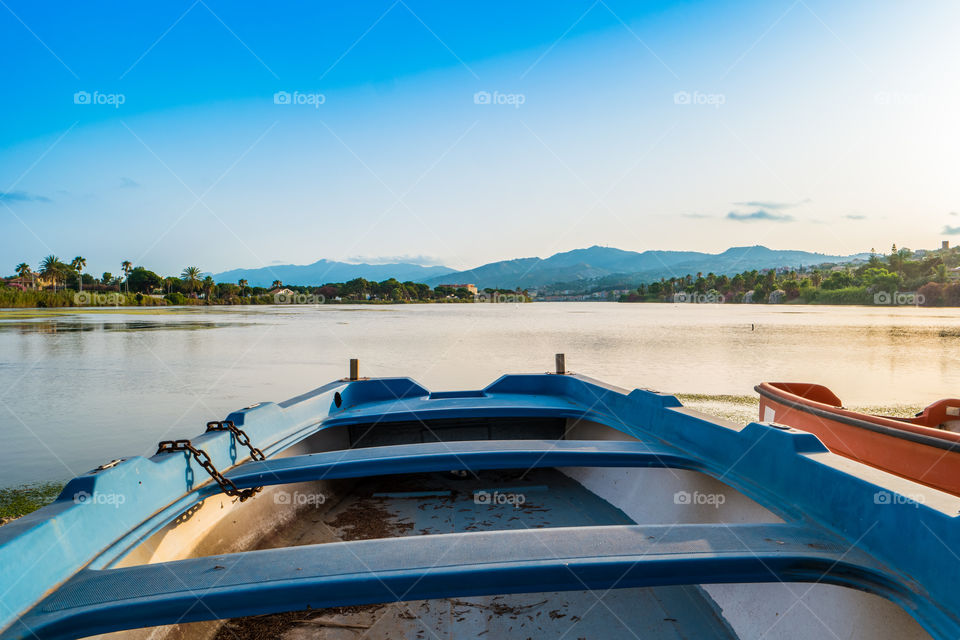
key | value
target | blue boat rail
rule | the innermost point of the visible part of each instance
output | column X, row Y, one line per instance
column 61, row 578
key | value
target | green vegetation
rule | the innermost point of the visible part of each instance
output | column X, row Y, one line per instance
column 58, row 284
column 19, row 501
column 925, row 278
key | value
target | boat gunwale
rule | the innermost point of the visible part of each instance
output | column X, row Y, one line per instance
column 918, row 434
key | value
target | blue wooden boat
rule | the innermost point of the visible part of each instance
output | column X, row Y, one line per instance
column 540, row 506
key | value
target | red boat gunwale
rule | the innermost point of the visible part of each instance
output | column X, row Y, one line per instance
column 820, row 401
column 908, row 447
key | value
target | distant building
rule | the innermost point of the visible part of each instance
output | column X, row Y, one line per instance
column 945, row 244
column 953, row 274
column 281, row 294
column 472, row 288
column 22, row 283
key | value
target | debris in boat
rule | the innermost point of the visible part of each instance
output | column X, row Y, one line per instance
column 273, row 626
column 367, row 519
column 497, row 608
column 326, row 622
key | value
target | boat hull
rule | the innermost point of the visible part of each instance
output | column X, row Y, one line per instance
column 920, row 453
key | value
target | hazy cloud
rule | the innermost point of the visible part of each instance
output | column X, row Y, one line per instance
column 950, row 231
column 759, row 215
column 424, row 261
column 695, row 216
column 855, row 216
column 22, row 196
column 128, row 183
column 954, row 213
column 776, row 206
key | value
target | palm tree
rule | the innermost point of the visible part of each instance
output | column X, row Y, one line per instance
column 24, row 271
column 276, row 284
column 79, row 263
column 243, row 286
column 52, row 268
column 208, row 285
column 127, row 268
column 191, row 276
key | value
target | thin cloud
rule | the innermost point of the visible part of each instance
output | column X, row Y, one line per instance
column 855, row 216
column 776, row 206
column 759, row 216
column 424, row 261
column 950, row 231
column 22, row 196
column 695, row 216
column 953, row 213
column 128, row 183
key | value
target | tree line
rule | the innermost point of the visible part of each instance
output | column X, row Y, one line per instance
column 926, row 275
column 56, row 281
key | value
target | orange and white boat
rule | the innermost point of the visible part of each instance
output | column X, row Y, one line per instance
column 925, row 448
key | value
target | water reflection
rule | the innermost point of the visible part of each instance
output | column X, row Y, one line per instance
column 74, row 325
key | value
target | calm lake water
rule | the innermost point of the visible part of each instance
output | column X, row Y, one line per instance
column 80, row 389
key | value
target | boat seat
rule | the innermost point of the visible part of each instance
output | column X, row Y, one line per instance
column 445, row 565
column 472, row 455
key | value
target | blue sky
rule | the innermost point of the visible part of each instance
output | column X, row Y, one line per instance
column 460, row 133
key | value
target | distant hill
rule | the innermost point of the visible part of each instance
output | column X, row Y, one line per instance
column 324, row 271
column 606, row 263
column 577, row 268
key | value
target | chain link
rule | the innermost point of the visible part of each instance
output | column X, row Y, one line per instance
column 238, row 433
column 203, row 459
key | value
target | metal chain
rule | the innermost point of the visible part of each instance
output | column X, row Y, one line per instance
column 238, row 433
column 203, row 459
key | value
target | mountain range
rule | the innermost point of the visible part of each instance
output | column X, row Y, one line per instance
column 324, row 271
column 571, row 269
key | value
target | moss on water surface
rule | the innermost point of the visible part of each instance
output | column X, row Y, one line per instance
column 21, row 500
column 743, row 409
